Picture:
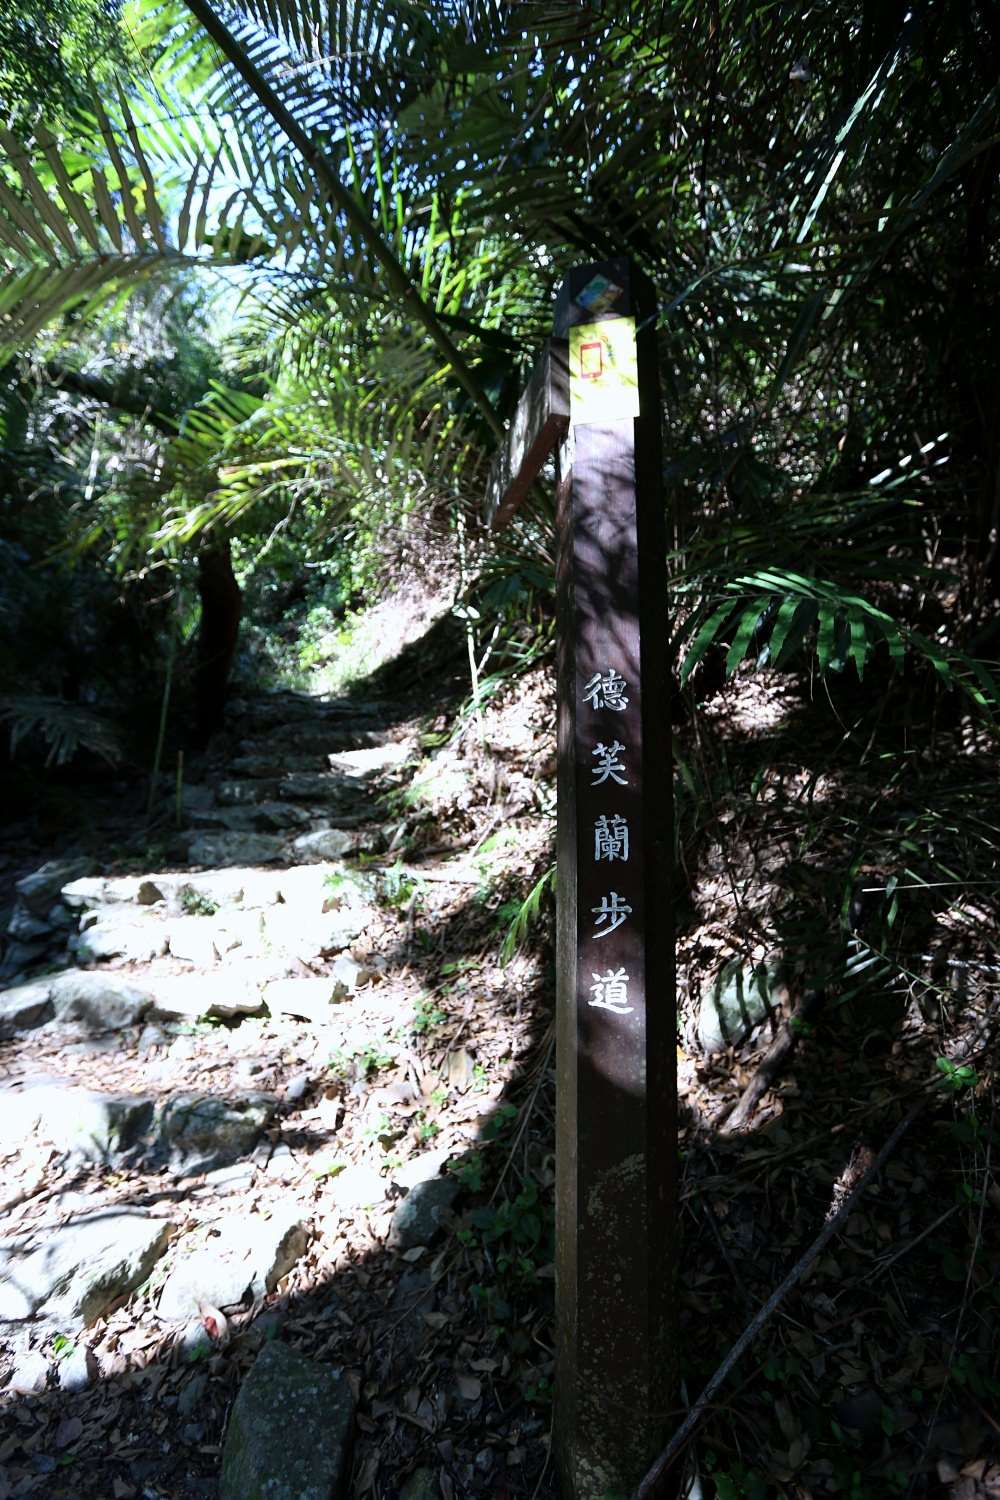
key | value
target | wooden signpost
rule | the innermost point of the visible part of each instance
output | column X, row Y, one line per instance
column 596, row 390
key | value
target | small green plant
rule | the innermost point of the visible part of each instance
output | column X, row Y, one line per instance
column 360, row 1062
column 330, row 1169
column 737, row 1483
column 781, row 1371
column 540, row 1389
column 515, row 1227
column 502, row 1118
column 968, row 1372
column 398, row 888
column 426, row 1016
column 381, row 1129
column 956, row 1076
column 522, row 917
column 954, row 1263
column 469, row 1171
column 196, row 903
column 461, row 966
column 335, row 883
column 63, row 1346
column 426, row 1129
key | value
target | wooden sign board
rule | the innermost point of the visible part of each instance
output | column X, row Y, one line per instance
column 539, row 424
column 616, row 1142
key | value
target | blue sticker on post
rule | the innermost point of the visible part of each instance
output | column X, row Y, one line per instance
column 598, row 296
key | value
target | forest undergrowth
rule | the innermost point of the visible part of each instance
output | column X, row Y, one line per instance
column 843, row 847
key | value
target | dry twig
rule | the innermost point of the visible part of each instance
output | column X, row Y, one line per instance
column 771, row 1064
column 647, row 1485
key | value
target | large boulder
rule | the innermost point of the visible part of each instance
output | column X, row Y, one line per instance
column 290, row 1432
column 39, row 891
column 85, row 1124
column 99, row 1002
column 323, row 844
column 244, row 1259
column 71, row 1273
column 121, row 930
column 419, row 1217
column 25, row 1006
column 199, row 1132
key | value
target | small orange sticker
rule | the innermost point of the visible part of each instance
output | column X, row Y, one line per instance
column 592, row 361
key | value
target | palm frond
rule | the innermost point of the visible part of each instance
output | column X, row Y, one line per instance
column 65, row 728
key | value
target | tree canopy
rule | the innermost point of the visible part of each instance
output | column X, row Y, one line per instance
column 382, row 198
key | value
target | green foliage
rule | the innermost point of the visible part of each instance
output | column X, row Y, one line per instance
column 956, row 1076
column 515, row 1238
column 48, row 51
column 522, row 917
column 825, row 280
column 196, row 903
column 519, row 1223
column 499, row 1122
column 737, row 1482
column 469, row 1170
column 968, row 1371
column 426, row 1016
column 64, row 729
column 773, row 615
column 361, row 1062
column 398, row 888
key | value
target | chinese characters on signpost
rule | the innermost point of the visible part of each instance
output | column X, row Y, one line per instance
column 616, row 1126
column 607, row 691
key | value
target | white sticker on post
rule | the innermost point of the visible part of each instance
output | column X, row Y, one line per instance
column 603, row 371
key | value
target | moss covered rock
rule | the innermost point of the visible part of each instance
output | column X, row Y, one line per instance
column 289, row 1436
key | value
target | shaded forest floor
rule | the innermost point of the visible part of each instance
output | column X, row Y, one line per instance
column 852, row 856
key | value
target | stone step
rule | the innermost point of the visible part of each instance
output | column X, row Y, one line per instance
column 236, row 886
column 320, row 787
column 69, row 1274
column 214, row 850
column 262, row 766
column 189, row 1131
column 371, row 760
column 239, row 793
column 252, row 816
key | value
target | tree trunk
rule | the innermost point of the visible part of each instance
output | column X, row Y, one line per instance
column 221, row 610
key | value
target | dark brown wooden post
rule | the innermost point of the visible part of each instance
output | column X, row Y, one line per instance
column 616, row 1143
column 616, row 1136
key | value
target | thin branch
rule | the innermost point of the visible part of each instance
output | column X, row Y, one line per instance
column 773, row 1061
column 703, row 1405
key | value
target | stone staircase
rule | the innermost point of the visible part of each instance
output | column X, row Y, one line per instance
column 122, row 1105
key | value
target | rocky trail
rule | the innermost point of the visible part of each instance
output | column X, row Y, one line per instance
column 243, row 1093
